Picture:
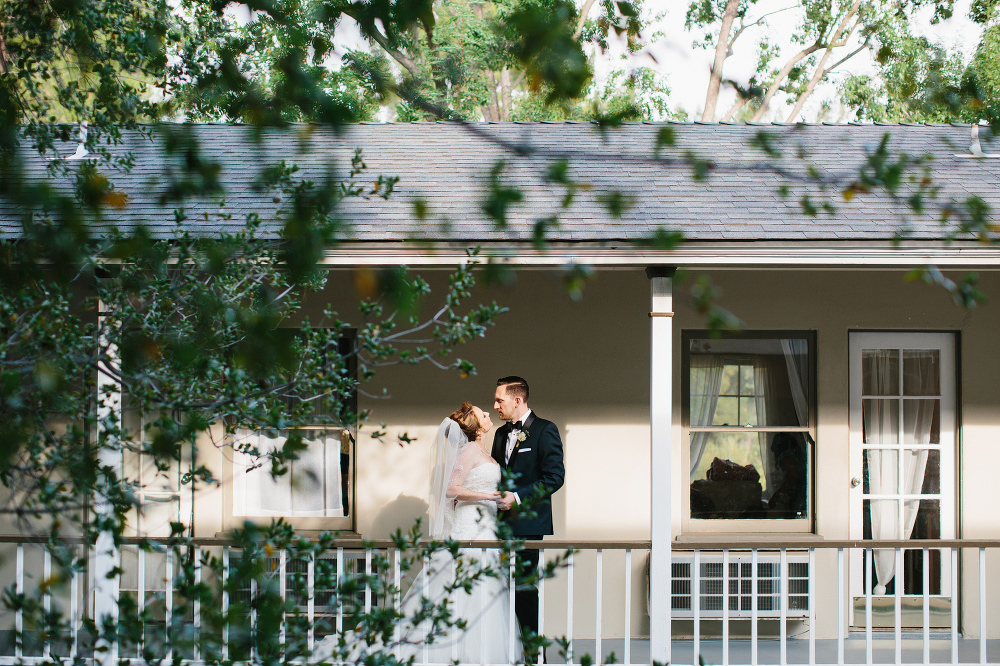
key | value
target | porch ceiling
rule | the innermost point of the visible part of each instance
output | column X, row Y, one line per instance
column 737, row 216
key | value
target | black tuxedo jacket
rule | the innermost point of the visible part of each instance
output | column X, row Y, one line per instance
column 537, row 467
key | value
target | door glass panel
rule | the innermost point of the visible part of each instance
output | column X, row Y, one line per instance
column 921, row 372
column 880, row 421
column 932, row 473
column 880, row 372
column 921, row 422
column 880, row 472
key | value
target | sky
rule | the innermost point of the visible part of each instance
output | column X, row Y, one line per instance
column 687, row 68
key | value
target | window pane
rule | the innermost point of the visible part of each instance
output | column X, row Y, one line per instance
column 921, row 372
column 921, row 422
column 880, row 421
column 726, row 412
column 771, row 377
column 880, row 372
column 749, row 475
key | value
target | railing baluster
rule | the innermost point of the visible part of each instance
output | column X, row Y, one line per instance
column 628, row 607
column 74, row 614
column 482, row 614
column 340, row 601
column 783, row 625
column 197, row 603
column 954, row 605
column 311, row 601
column 696, row 605
column 19, row 613
column 283, row 593
column 725, row 607
column 253, row 619
column 898, row 605
column 453, row 636
column 423, row 586
column 599, row 606
column 140, row 585
column 225, row 602
column 753, row 606
column 569, row 606
column 982, row 605
column 397, row 578
column 870, row 554
column 541, row 603
column 168, row 601
column 368, row 584
column 812, row 606
column 841, row 592
column 511, row 618
column 925, row 585
column 47, row 597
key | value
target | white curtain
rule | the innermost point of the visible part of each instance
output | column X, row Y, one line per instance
column 311, row 488
column 796, row 356
column 881, row 424
column 763, row 387
column 706, row 378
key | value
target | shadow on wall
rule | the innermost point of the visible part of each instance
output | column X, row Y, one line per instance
column 400, row 513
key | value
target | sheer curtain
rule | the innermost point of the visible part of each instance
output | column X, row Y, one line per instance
column 706, row 379
column 311, row 487
column 796, row 356
column 881, row 426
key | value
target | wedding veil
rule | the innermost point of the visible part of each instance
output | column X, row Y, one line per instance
column 449, row 444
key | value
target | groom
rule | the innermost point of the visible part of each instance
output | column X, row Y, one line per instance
column 530, row 448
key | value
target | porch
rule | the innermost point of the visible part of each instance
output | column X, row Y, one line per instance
column 729, row 603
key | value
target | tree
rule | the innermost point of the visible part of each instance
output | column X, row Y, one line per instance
column 829, row 35
column 919, row 81
column 127, row 313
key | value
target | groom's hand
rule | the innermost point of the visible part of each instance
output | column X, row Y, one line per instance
column 506, row 501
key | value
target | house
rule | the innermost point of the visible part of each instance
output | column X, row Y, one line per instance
column 790, row 436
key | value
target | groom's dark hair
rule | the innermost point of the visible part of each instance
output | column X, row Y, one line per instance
column 515, row 386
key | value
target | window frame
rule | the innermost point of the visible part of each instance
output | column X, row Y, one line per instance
column 806, row 525
column 346, row 523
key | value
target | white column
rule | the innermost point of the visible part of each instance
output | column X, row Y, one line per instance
column 104, row 556
column 660, row 424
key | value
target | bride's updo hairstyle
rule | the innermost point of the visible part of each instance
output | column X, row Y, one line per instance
column 466, row 419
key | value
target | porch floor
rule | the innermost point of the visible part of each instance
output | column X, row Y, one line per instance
column 769, row 650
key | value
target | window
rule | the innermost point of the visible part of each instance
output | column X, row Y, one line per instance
column 316, row 485
column 317, row 491
column 748, row 411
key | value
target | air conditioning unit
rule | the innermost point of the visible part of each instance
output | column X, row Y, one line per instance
column 740, row 594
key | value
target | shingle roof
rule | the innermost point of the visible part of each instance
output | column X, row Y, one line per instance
column 448, row 166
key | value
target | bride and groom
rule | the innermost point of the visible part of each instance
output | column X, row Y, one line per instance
column 465, row 504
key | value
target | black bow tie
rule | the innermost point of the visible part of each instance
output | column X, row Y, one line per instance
column 516, row 425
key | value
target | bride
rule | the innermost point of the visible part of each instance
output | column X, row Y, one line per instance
column 463, row 506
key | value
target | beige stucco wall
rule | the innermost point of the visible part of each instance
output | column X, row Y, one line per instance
column 587, row 363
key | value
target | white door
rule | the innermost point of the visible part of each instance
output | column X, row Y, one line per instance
column 902, row 449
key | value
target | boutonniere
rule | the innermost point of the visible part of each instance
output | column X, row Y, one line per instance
column 522, row 435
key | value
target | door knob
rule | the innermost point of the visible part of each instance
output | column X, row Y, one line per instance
column 855, row 482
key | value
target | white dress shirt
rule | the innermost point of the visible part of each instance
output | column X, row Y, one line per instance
column 512, row 442
column 512, row 436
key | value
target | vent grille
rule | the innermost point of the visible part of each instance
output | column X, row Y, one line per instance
column 740, row 593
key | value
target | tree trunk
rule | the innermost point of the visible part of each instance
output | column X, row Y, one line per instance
column 779, row 79
column 721, row 53
column 821, row 70
column 739, row 104
column 506, row 96
column 583, row 17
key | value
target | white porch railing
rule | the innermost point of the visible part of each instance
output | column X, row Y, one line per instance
column 731, row 603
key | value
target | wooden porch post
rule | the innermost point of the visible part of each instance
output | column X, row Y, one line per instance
column 104, row 556
column 660, row 424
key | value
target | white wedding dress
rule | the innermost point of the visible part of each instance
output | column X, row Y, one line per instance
column 486, row 638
